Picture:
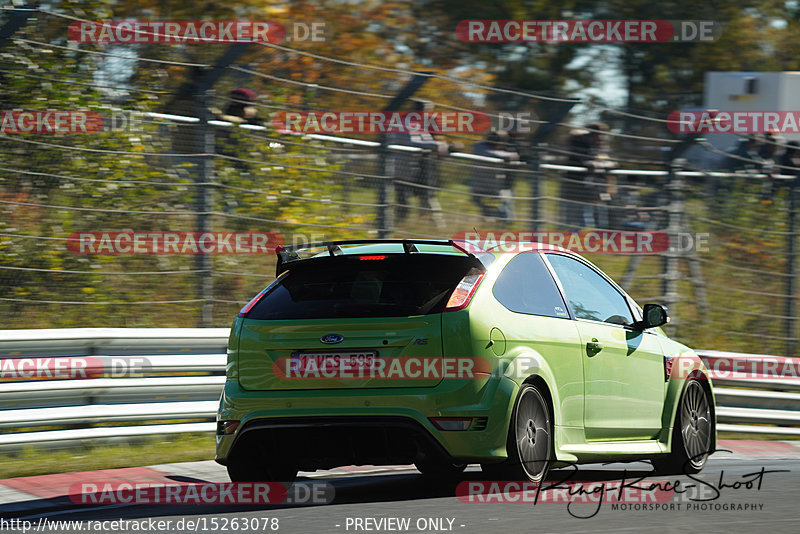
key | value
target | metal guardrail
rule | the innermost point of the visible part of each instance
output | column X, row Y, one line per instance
column 752, row 404
column 180, row 385
column 177, row 383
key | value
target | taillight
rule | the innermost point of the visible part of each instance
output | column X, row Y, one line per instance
column 247, row 307
column 372, row 258
column 464, row 291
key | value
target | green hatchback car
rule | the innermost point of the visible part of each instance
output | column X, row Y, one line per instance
column 442, row 354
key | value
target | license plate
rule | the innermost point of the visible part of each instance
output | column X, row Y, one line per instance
column 354, row 360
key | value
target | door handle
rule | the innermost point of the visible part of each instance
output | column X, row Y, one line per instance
column 593, row 347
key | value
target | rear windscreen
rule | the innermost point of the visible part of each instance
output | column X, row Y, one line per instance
column 346, row 286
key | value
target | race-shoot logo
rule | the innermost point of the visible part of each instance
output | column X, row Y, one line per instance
column 587, row 31
column 115, row 243
column 584, row 499
column 381, row 122
column 572, row 494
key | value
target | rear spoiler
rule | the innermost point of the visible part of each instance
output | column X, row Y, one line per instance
column 291, row 254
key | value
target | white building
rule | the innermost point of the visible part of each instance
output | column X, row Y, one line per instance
column 745, row 91
column 751, row 91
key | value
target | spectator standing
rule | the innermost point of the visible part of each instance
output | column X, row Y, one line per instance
column 589, row 194
column 493, row 180
column 789, row 161
column 239, row 110
column 416, row 173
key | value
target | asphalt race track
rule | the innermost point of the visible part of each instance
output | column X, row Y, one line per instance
column 365, row 502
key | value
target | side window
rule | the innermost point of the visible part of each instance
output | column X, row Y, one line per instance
column 526, row 286
column 590, row 295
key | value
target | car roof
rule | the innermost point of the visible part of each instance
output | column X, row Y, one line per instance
column 513, row 247
column 396, row 247
column 503, row 248
column 287, row 255
column 393, row 248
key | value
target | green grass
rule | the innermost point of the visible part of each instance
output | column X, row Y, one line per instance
column 147, row 451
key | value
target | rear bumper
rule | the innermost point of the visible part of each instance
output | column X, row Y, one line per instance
column 391, row 424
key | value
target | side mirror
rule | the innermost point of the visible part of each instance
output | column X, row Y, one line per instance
column 654, row 315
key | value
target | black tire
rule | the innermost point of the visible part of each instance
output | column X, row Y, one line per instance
column 530, row 439
column 441, row 470
column 692, row 433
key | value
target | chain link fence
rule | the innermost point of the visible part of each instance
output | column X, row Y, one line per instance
column 183, row 157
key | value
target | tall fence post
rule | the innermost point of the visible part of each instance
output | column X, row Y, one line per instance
column 196, row 91
column 537, row 145
column 385, row 219
column 534, row 166
column 675, row 187
column 791, row 268
column 204, row 177
column 385, row 190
